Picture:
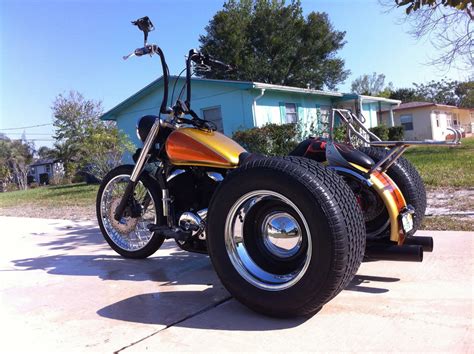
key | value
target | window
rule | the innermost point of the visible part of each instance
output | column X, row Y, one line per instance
column 48, row 168
column 33, row 170
column 214, row 115
column 436, row 113
column 291, row 113
column 407, row 121
column 449, row 120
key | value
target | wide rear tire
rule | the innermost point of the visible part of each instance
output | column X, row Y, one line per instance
column 285, row 235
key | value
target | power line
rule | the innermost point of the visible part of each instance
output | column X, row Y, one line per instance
column 31, row 126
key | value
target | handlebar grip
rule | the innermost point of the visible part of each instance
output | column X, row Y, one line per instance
column 144, row 50
column 204, row 59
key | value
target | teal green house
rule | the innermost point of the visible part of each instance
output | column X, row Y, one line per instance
column 238, row 105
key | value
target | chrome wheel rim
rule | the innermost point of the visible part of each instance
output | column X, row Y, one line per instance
column 130, row 234
column 283, row 235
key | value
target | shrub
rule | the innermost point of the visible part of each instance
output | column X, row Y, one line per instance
column 270, row 140
column 340, row 133
column 381, row 131
column 396, row 133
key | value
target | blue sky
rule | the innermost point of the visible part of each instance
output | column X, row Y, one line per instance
column 53, row 46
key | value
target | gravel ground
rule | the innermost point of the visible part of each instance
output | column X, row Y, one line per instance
column 451, row 202
column 66, row 213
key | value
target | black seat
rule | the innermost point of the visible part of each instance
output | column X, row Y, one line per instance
column 315, row 149
column 351, row 154
column 312, row 148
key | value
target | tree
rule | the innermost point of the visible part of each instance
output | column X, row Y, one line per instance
column 465, row 92
column 447, row 24
column 406, row 95
column 15, row 157
column 270, row 42
column 82, row 139
column 371, row 85
column 45, row 152
column 105, row 146
column 452, row 93
column 73, row 117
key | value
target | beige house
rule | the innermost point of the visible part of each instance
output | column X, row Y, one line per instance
column 426, row 120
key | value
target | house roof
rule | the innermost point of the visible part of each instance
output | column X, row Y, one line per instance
column 40, row 162
column 245, row 85
column 110, row 114
column 413, row 105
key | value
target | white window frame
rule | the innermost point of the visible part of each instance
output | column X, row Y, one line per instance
column 403, row 124
column 293, row 114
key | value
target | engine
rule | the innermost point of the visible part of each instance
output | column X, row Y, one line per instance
column 192, row 190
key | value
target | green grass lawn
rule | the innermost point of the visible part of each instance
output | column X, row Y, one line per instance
column 445, row 166
column 78, row 194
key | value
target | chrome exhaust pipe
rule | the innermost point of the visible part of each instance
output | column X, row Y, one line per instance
column 404, row 253
column 423, row 241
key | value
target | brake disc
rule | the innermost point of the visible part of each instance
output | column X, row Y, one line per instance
column 126, row 224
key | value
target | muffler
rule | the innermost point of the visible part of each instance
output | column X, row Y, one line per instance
column 423, row 241
column 404, row 253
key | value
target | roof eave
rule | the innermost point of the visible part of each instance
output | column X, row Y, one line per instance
column 381, row 99
column 272, row 87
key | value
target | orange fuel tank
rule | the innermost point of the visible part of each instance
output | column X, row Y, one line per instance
column 191, row 146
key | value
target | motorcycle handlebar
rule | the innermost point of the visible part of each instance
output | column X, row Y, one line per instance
column 204, row 59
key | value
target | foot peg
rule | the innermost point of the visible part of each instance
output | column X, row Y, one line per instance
column 167, row 232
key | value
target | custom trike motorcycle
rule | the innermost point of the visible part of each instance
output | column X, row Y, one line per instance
column 388, row 188
column 285, row 235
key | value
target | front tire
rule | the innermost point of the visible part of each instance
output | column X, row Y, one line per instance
column 130, row 236
column 285, row 235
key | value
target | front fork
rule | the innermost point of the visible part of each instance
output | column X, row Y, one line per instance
column 137, row 170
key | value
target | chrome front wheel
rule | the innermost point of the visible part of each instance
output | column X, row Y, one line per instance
column 129, row 236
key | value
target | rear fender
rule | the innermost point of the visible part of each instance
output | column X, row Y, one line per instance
column 391, row 195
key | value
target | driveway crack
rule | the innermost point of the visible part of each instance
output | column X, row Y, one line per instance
column 205, row 309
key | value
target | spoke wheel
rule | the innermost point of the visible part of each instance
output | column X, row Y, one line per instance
column 129, row 236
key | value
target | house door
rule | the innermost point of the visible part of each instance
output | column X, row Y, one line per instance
column 214, row 115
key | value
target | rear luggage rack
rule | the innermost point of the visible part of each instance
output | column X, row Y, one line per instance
column 397, row 147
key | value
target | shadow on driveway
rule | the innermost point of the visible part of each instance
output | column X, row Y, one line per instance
column 177, row 268
column 107, row 267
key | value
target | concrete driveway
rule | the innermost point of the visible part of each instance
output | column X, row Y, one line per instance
column 63, row 289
